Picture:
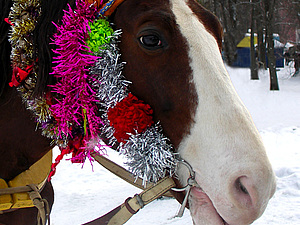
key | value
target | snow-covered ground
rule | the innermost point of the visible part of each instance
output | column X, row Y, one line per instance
column 82, row 195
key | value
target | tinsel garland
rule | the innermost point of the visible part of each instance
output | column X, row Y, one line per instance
column 75, row 110
column 23, row 18
column 76, row 105
column 91, row 97
column 148, row 152
column 99, row 35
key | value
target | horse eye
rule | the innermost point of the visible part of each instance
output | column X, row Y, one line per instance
column 150, row 41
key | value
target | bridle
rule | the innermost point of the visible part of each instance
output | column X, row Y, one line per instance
column 164, row 187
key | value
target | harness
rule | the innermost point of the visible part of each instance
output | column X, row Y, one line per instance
column 24, row 190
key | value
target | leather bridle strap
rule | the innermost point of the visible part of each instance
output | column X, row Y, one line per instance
column 120, row 171
column 110, row 7
column 106, row 9
column 124, row 212
column 164, row 187
column 124, row 174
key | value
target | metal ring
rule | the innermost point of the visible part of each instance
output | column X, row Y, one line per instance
column 190, row 181
column 192, row 172
column 179, row 189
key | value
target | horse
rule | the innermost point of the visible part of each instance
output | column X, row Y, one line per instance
column 172, row 54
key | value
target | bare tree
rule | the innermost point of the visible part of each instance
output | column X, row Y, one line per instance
column 261, row 44
column 269, row 9
column 236, row 17
column 253, row 66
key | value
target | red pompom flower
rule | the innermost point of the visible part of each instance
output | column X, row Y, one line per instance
column 130, row 115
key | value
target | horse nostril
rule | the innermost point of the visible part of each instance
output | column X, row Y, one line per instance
column 240, row 187
column 245, row 192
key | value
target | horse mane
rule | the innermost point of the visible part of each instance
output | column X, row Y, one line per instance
column 5, row 49
column 52, row 10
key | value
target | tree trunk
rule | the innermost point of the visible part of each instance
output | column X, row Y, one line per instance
column 215, row 7
column 229, row 36
column 226, row 47
column 253, row 66
column 269, row 18
column 261, row 41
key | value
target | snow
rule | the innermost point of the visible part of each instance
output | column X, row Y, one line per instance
column 82, row 195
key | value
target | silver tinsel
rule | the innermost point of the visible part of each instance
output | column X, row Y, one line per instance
column 149, row 154
column 110, row 85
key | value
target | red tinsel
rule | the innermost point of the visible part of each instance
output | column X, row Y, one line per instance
column 20, row 75
column 74, row 147
column 129, row 116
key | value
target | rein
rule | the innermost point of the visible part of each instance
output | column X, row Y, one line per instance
column 132, row 205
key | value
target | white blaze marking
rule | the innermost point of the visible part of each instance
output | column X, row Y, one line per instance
column 217, row 99
column 223, row 142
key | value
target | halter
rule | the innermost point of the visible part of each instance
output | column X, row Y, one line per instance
column 131, row 206
column 108, row 8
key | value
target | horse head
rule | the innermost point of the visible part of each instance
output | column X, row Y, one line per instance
column 172, row 54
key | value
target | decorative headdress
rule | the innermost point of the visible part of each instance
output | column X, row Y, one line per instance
column 91, row 98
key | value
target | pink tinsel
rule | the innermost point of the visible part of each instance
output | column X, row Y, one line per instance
column 76, row 105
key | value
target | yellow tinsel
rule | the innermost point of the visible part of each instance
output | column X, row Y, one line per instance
column 24, row 17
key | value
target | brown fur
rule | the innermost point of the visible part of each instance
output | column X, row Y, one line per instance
column 21, row 144
column 161, row 78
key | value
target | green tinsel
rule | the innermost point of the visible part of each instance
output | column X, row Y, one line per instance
column 99, row 35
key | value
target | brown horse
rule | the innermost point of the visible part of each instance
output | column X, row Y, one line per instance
column 172, row 54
